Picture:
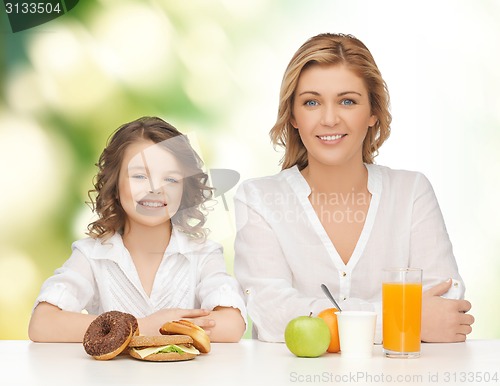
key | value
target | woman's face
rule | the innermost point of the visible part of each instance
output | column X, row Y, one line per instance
column 150, row 184
column 332, row 113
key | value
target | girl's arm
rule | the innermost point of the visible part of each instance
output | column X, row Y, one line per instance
column 51, row 324
column 219, row 292
column 228, row 325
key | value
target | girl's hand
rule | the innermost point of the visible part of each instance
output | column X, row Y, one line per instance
column 444, row 320
column 150, row 325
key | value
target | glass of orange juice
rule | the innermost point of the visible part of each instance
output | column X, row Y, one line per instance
column 402, row 312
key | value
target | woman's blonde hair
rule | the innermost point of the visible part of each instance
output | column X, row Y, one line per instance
column 331, row 49
column 190, row 216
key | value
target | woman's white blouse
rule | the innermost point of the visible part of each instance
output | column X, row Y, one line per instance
column 101, row 276
column 283, row 254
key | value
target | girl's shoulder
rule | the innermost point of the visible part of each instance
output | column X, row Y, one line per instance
column 85, row 244
column 184, row 244
column 98, row 247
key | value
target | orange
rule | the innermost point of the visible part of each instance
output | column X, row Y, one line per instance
column 330, row 318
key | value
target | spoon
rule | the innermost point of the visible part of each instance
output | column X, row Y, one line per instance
column 329, row 296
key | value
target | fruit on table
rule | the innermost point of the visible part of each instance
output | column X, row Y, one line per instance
column 330, row 318
column 307, row 336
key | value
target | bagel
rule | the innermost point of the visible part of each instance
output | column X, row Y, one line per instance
column 109, row 334
column 184, row 327
column 162, row 348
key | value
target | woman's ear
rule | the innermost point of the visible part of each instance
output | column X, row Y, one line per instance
column 373, row 120
column 293, row 122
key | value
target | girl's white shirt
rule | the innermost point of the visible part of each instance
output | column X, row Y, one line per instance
column 100, row 276
column 283, row 253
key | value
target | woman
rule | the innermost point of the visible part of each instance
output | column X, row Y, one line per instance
column 331, row 216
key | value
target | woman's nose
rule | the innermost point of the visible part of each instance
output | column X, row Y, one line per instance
column 329, row 116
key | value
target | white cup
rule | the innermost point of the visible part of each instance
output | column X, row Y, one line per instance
column 356, row 333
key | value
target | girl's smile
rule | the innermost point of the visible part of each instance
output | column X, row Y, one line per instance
column 152, row 204
column 150, row 184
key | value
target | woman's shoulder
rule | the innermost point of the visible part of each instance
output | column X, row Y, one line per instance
column 395, row 174
column 398, row 177
column 272, row 183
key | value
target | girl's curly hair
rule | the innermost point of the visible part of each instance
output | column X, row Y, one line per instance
column 191, row 215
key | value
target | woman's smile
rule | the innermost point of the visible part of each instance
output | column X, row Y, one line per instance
column 332, row 113
column 331, row 139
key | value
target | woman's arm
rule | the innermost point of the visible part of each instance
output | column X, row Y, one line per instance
column 444, row 309
column 444, row 320
column 266, row 277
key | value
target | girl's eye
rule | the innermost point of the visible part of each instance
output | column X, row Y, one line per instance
column 139, row 176
column 171, row 180
column 311, row 103
column 347, row 102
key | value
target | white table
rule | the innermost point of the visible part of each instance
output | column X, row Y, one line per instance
column 250, row 362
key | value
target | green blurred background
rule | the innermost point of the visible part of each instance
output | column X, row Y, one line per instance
column 213, row 69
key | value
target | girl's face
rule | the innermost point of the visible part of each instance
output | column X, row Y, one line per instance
column 332, row 112
column 150, row 184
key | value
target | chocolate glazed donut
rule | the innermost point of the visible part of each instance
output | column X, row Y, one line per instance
column 109, row 334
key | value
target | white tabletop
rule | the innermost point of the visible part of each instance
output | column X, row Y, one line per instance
column 250, row 362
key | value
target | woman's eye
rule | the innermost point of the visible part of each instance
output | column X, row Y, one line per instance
column 139, row 176
column 311, row 103
column 171, row 180
column 347, row 102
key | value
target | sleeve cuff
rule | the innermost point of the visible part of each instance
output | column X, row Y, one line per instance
column 225, row 296
column 58, row 296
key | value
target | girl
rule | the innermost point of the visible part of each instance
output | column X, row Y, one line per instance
column 332, row 216
column 147, row 253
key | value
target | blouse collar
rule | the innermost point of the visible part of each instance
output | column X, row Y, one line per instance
column 114, row 249
column 299, row 184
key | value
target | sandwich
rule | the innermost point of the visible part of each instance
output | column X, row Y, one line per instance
column 201, row 341
column 163, row 348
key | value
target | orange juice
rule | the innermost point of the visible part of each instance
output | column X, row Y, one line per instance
column 402, row 316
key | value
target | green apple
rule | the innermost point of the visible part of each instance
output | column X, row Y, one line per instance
column 307, row 336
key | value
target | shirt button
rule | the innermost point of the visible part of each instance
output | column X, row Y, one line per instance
column 247, row 291
column 344, row 274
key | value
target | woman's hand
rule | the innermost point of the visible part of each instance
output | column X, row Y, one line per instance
column 150, row 325
column 444, row 320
